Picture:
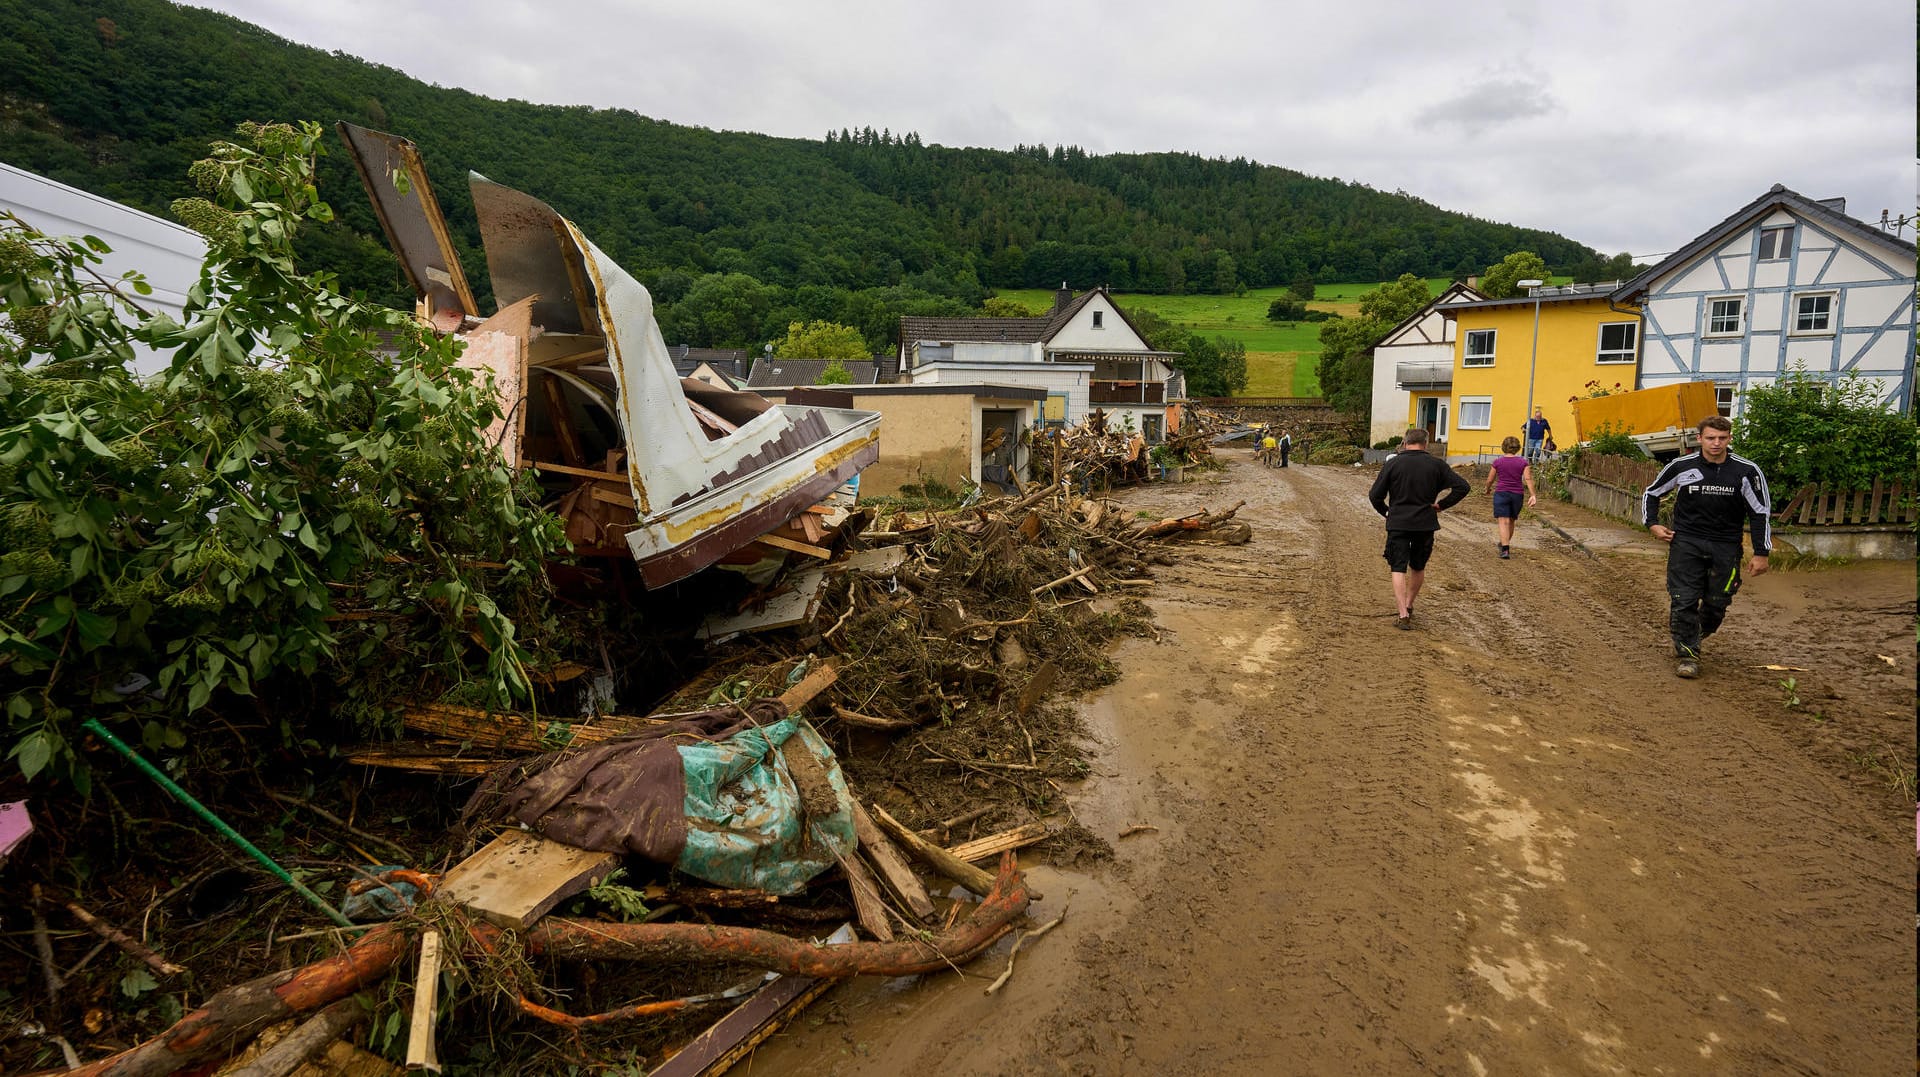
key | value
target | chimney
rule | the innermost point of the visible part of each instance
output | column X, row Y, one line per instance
column 1838, row 205
column 1062, row 296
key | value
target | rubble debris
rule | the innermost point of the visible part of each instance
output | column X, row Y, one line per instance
column 674, row 473
column 421, row 1054
column 731, row 1038
column 128, row 945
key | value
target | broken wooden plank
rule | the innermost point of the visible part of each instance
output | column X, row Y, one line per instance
column 1068, row 578
column 576, row 472
column 520, row 876
column 614, row 497
column 426, row 992
column 939, row 859
column 403, row 759
column 868, row 906
column 995, row 844
column 893, row 867
column 779, row 543
column 810, row 686
column 734, row 1036
column 1037, row 686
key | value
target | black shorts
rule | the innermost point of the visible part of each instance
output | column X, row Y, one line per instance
column 1408, row 550
column 1506, row 503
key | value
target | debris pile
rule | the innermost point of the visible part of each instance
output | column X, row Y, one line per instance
column 901, row 717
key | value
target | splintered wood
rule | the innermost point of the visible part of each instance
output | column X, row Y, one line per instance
column 519, row 877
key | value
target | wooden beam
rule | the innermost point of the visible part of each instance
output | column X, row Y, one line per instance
column 614, row 497
column 519, row 877
column 995, row 844
column 939, row 859
column 577, row 472
column 426, row 992
column 868, row 906
column 810, row 686
column 779, row 543
column 734, row 1036
column 893, row 867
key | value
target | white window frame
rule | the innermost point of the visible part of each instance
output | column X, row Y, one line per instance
column 1460, row 418
column 1724, row 394
column 1468, row 356
column 1099, row 317
column 1739, row 316
column 1605, row 357
column 1781, row 251
column 1825, row 330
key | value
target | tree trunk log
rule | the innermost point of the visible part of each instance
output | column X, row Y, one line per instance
column 232, row 1017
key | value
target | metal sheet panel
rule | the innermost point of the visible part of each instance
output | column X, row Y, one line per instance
column 413, row 222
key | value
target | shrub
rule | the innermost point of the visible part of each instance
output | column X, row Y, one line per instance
column 1390, row 443
column 1805, row 429
column 1611, row 439
column 174, row 541
column 1335, row 454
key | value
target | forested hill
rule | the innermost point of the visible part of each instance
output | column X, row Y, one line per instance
column 119, row 96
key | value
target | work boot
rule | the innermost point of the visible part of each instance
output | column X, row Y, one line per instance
column 1688, row 669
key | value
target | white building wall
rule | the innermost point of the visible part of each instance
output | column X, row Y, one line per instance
column 1112, row 335
column 1872, row 316
column 1067, row 379
column 969, row 351
column 168, row 254
column 1392, row 404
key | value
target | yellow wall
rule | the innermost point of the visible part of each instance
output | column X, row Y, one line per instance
column 1569, row 343
column 928, row 436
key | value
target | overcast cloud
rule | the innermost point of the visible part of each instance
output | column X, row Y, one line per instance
column 1630, row 126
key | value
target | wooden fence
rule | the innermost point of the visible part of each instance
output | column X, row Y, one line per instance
column 1884, row 503
column 1623, row 472
column 1260, row 402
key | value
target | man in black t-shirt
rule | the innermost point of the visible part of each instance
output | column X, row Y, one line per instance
column 1716, row 494
column 1408, row 493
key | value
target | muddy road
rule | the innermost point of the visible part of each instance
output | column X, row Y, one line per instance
column 1510, row 841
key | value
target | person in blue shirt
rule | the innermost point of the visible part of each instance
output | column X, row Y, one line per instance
column 1538, row 430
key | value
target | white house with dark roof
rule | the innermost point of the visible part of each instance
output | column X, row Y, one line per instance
column 1085, row 353
column 1785, row 279
column 1415, row 355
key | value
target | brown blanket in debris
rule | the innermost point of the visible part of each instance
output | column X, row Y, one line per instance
column 622, row 795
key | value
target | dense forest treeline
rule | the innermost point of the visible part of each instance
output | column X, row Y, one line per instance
column 120, row 96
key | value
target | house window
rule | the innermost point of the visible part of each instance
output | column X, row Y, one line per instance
column 1776, row 243
column 1099, row 317
column 1723, row 397
column 1724, row 315
column 1476, row 413
column 1479, row 352
column 1617, row 340
column 1813, row 313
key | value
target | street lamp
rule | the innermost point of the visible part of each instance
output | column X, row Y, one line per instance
column 1533, row 357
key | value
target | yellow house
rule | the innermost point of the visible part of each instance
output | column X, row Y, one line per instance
column 1536, row 351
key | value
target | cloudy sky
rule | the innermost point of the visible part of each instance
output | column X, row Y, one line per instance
column 1629, row 126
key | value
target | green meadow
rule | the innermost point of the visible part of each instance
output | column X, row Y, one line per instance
column 1282, row 357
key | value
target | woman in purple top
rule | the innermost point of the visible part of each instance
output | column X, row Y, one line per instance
column 1511, row 475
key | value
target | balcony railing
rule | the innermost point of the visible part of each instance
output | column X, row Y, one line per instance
column 1423, row 375
column 1126, row 392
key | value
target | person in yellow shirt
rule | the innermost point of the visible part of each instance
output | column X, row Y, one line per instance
column 1268, row 448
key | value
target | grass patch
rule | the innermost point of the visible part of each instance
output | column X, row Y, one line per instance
column 1282, row 358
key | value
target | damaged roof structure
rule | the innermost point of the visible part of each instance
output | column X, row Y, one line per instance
column 676, row 473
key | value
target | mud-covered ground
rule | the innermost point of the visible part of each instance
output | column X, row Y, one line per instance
column 1509, row 841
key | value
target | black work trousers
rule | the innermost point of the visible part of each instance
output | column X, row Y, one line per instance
column 1702, row 578
column 1286, row 449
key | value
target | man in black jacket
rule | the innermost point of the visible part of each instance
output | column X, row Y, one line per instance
column 1408, row 494
column 1716, row 494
